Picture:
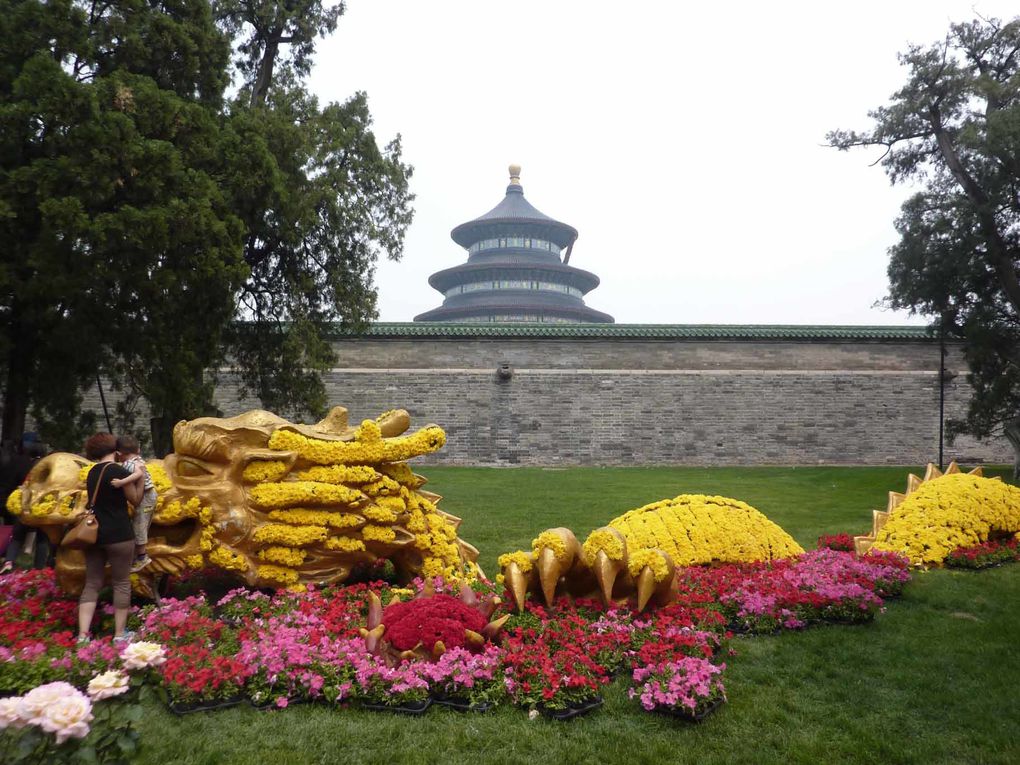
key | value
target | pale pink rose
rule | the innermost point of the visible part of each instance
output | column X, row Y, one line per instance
column 35, row 702
column 10, row 713
column 108, row 685
column 68, row 717
column 141, row 655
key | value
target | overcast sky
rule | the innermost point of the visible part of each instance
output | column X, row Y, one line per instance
column 683, row 141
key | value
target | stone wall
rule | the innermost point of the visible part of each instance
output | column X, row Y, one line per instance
column 609, row 401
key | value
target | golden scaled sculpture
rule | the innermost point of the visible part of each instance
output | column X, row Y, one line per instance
column 275, row 503
column 638, row 552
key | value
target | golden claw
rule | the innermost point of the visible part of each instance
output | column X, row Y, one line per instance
column 606, row 570
column 439, row 648
column 372, row 637
column 492, row 628
column 474, row 638
column 517, row 583
column 645, row 587
column 375, row 610
column 549, row 573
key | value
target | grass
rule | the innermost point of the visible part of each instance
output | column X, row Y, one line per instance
column 933, row 680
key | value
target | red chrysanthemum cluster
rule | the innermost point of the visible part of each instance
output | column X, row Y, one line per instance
column 431, row 619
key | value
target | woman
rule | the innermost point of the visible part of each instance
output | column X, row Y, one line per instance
column 115, row 539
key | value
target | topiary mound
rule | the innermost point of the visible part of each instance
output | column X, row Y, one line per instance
column 948, row 512
column 694, row 529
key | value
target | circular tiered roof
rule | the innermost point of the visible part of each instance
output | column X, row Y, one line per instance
column 514, row 271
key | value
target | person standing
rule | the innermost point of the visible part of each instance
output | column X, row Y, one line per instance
column 129, row 453
column 115, row 538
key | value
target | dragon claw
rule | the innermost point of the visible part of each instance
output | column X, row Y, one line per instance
column 517, row 583
column 549, row 572
column 645, row 587
column 606, row 570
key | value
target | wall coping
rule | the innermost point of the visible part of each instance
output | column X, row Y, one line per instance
column 642, row 331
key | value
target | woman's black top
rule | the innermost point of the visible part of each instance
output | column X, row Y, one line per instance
column 111, row 506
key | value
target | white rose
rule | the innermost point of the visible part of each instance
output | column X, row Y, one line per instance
column 35, row 702
column 10, row 713
column 68, row 717
column 108, row 685
column 141, row 655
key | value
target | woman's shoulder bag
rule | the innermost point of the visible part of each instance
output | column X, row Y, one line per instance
column 84, row 533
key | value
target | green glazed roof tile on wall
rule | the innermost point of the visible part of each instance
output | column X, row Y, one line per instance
column 644, row 331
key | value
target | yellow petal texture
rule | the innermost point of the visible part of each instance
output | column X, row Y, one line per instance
column 954, row 510
column 694, row 529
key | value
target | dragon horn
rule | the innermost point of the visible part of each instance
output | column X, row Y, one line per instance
column 492, row 628
column 374, row 610
column 606, row 571
column 467, row 595
column 645, row 587
column 517, row 584
column 548, row 573
column 372, row 637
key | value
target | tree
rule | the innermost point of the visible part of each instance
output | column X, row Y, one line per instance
column 162, row 231
column 320, row 202
column 954, row 128
column 109, row 205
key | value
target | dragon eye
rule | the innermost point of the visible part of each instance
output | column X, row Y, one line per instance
column 188, row 468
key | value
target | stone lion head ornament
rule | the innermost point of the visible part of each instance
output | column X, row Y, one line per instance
column 275, row 503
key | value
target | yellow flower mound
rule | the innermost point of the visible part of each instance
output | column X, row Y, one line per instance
column 603, row 541
column 345, row 544
column 14, row 502
column 305, row 517
column 548, row 539
column 223, row 558
column 378, row 534
column 695, row 529
column 285, row 556
column 523, row 560
column 339, row 474
column 957, row 510
column 368, row 447
column 48, row 504
column 277, row 574
column 638, row 559
column 293, row 493
column 288, row 536
column 259, row 471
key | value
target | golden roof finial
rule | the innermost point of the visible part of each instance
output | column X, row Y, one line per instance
column 515, row 175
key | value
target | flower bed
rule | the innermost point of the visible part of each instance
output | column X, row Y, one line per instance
column 289, row 647
column 991, row 553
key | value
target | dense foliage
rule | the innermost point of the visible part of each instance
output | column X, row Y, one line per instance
column 165, row 209
column 954, row 129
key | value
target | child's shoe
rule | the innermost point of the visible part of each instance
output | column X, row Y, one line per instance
column 126, row 637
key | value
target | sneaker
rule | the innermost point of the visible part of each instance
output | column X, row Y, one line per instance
column 7, row 567
column 83, row 640
column 140, row 563
column 126, row 637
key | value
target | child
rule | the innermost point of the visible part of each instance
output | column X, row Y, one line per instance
column 128, row 450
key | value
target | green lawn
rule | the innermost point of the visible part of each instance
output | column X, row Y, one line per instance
column 934, row 680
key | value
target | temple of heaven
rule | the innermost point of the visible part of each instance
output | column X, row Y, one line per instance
column 517, row 269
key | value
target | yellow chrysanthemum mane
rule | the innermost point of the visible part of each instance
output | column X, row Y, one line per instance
column 955, row 510
column 695, row 529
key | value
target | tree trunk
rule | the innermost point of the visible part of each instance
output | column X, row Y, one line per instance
column 265, row 76
column 18, row 388
column 1012, row 431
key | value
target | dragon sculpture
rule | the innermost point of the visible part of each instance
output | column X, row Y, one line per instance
column 638, row 552
column 275, row 503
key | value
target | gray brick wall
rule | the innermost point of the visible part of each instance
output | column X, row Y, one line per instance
column 657, row 402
